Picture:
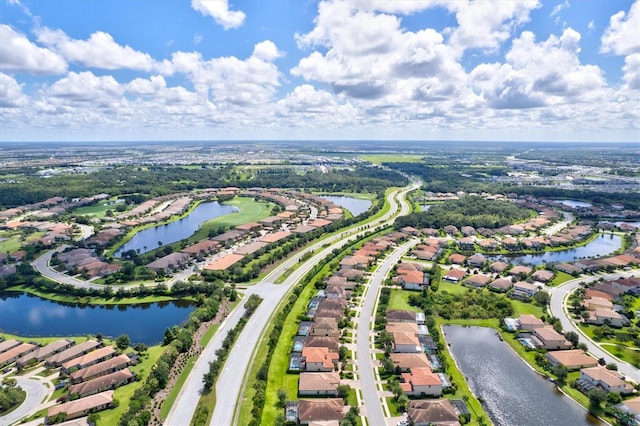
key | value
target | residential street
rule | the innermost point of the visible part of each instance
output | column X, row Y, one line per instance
column 558, row 309
column 365, row 345
column 36, row 391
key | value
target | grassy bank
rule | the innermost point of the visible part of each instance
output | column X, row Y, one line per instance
column 87, row 300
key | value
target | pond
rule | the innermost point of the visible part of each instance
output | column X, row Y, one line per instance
column 603, row 245
column 355, row 206
column 574, row 203
column 27, row 315
column 512, row 392
column 149, row 239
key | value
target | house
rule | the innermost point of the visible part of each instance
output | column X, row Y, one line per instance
column 355, row 262
column 325, row 383
column 468, row 231
column 102, row 383
column 83, row 406
column 478, row 280
column 44, row 352
column 572, row 359
column 407, row 361
column 432, row 412
column 168, row 263
column 501, row 284
column 550, row 339
column 7, row 357
column 73, row 352
column 325, row 326
column 89, row 359
column 400, row 315
column 542, row 275
column 529, row 322
column 454, row 275
column 457, row 258
column 318, row 411
column 406, row 342
column 413, row 280
column 450, row 230
column 5, row 345
column 499, row 266
column 631, row 407
column 319, row 359
column 477, row 260
column 322, row 341
column 608, row 380
column 421, row 381
column 100, row 369
column 601, row 316
column 524, row 290
column 223, row 263
column 520, row 270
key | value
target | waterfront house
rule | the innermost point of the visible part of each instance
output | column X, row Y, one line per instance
column 320, row 411
column 5, row 345
column 73, row 352
column 13, row 354
column 572, row 359
column 421, row 381
column 89, row 359
column 100, row 369
column 499, row 266
column 432, row 412
column 477, row 260
column 529, row 322
column 550, row 339
column 83, row 406
column 608, row 380
column 43, row 352
column 325, row 383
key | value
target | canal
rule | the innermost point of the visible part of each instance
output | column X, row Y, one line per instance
column 150, row 238
column 513, row 394
column 31, row 316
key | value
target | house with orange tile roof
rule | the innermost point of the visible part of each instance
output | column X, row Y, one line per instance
column 83, row 406
column 319, row 359
column 421, row 381
column 572, row 359
column 224, row 262
column 322, row 383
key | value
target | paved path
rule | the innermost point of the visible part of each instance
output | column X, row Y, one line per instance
column 365, row 349
column 36, row 392
column 231, row 379
column 41, row 264
column 558, row 309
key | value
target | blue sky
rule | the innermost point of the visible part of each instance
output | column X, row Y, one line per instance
column 342, row 69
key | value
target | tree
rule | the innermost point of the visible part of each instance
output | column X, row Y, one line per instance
column 541, row 298
column 612, row 366
column 141, row 348
column 561, row 372
column 573, row 337
column 343, row 391
column 596, row 397
column 282, row 397
column 613, row 398
column 343, row 351
column 123, row 341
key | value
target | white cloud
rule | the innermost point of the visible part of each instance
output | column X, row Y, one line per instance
column 19, row 54
column 622, row 36
column 220, row 12
column 631, row 70
column 11, row 95
column 99, row 51
column 558, row 8
column 144, row 87
column 86, row 87
column 487, row 24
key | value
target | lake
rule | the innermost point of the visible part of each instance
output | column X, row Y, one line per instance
column 27, row 315
column 512, row 392
column 603, row 245
column 148, row 239
column 574, row 203
column 355, row 206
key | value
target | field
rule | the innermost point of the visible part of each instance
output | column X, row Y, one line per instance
column 99, row 210
column 399, row 300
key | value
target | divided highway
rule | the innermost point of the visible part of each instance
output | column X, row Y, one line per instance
column 229, row 386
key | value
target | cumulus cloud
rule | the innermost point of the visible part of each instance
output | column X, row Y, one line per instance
column 146, row 87
column 219, row 10
column 19, row 54
column 622, row 36
column 86, row 87
column 631, row 70
column 11, row 95
column 100, row 50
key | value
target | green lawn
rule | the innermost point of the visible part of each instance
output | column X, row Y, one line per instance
column 400, row 300
column 452, row 288
column 88, row 300
column 14, row 241
column 560, row 278
column 527, row 308
column 99, row 210
column 124, row 393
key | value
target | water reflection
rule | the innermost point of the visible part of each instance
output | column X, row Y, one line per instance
column 355, row 206
column 512, row 392
column 28, row 315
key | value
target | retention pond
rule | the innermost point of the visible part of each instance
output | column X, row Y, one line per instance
column 512, row 393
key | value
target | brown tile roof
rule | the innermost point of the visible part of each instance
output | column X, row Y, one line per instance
column 322, row 382
column 439, row 412
column 572, row 358
column 89, row 358
column 310, row 410
column 14, row 353
column 83, row 405
column 408, row 360
column 72, row 352
column 400, row 315
column 224, row 262
column 102, row 382
column 100, row 368
column 276, row 236
column 250, row 248
column 422, row 376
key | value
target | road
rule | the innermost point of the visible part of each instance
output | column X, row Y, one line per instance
column 556, row 227
column 558, row 309
column 364, row 350
column 41, row 264
column 36, row 391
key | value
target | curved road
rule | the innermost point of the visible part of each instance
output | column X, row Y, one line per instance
column 558, row 309
column 36, row 392
column 231, row 379
column 373, row 407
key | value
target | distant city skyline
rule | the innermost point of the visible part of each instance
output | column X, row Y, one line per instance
column 457, row 70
